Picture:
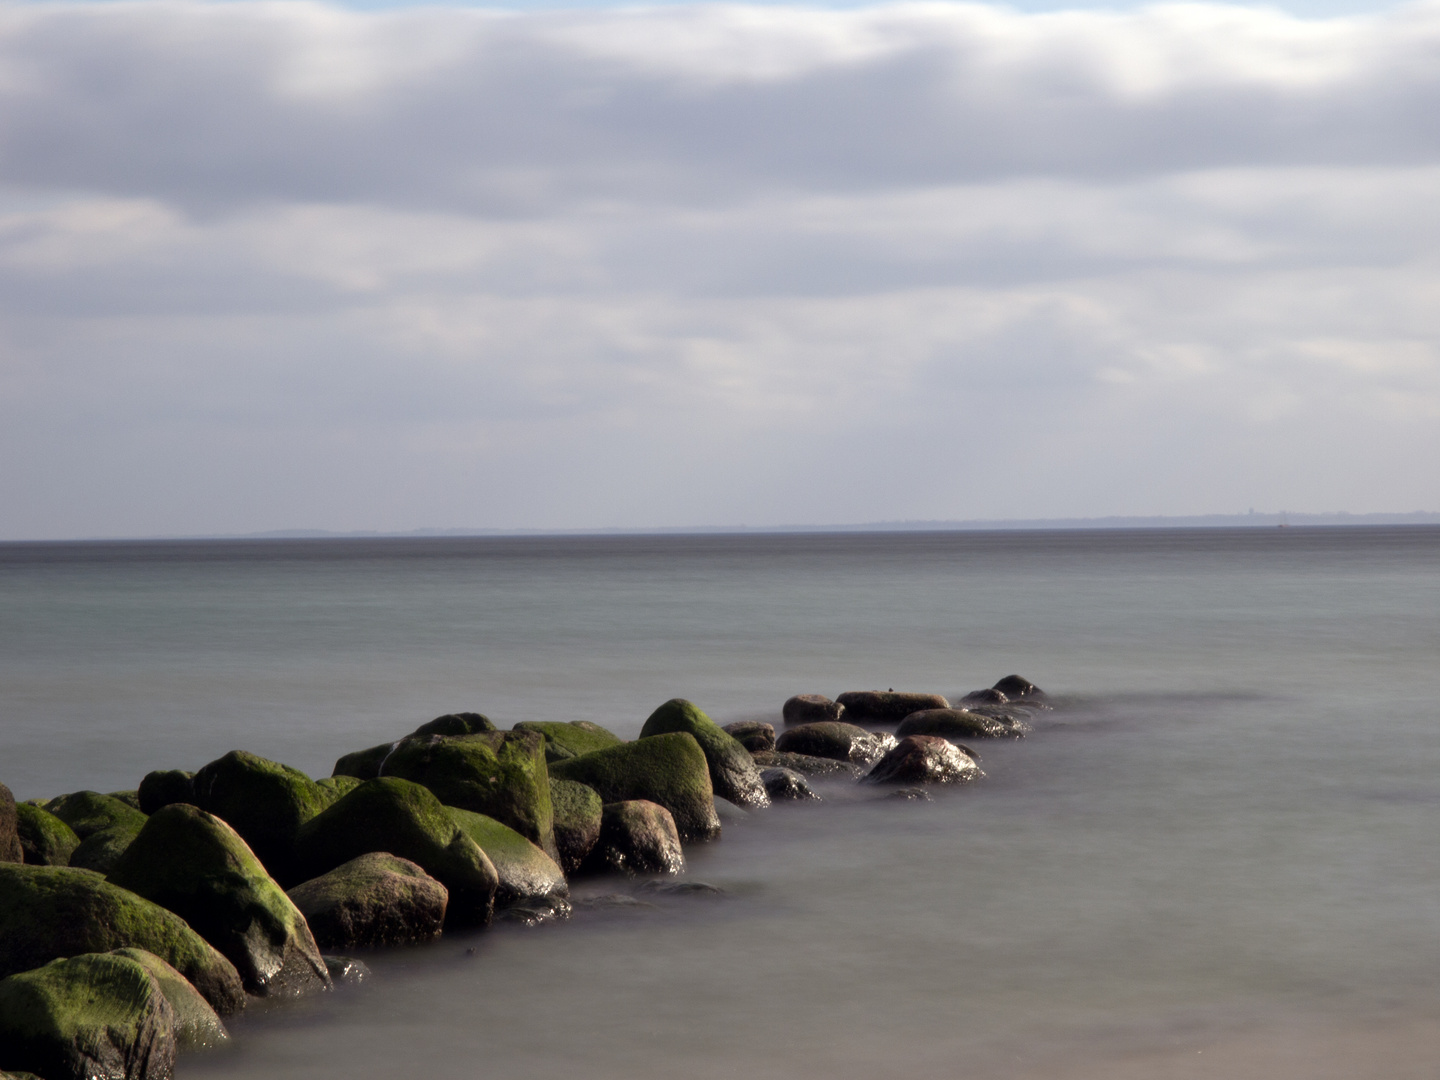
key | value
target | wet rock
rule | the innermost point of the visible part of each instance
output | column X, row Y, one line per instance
column 194, row 864
column 837, row 740
column 810, row 709
column 886, row 706
column 197, row 1025
column 733, row 774
column 577, row 821
column 347, row 971
column 1018, row 688
column 45, row 839
column 50, row 911
column 787, row 784
column 527, row 876
column 752, row 734
column 363, row 764
column 262, row 800
column 910, row 794
column 500, row 774
column 806, row 764
column 375, row 899
column 163, row 787
column 11, row 849
column 404, row 819
column 106, row 826
column 924, row 759
column 988, row 696
column 460, row 723
column 612, row 902
column 567, row 739
column 637, row 837
column 90, row 1017
column 960, row 724
column 667, row 769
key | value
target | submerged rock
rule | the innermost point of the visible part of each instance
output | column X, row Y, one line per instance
column 11, row 849
column 787, row 784
column 960, row 724
column 752, row 734
column 662, row 887
column 887, row 706
column 194, row 864
column 262, row 800
column 637, row 837
column 733, row 774
column 910, row 794
column 667, row 769
column 372, row 900
column 810, row 709
column 347, row 971
column 567, row 739
column 924, row 759
column 163, row 787
column 1018, row 688
column 526, row 875
column 577, row 821
column 197, row 1025
column 459, row 723
column 806, row 764
column 90, row 1017
column 836, row 739
column 45, row 839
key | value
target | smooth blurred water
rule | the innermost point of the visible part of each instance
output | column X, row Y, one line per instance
column 1224, row 841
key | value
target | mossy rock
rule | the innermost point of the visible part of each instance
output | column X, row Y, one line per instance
column 835, row 739
column 102, row 850
column 90, row 1017
column 733, row 774
column 500, row 774
column 373, row 900
column 89, row 812
column 262, row 800
column 129, row 798
column 527, row 876
column 405, row 819
column 887, row 706
column 196, row 865
column 50, row 911
column 570, row 738
column 46, row 839
column 197, row 1025
column 960, row 724
column 363, row 764
column 806, row 764
column 667, row 769
column 577, row 821
column 165, row 786
column 11, row 848
column 637, row 837
column 460, row 723
column 337, row 786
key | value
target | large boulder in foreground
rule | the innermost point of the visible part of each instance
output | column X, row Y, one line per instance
column 10, row 847
column 924, row 759
column 733, row 774
column 373, row 900
column 163, row 787
column 90, row 1017
column 404, row 819
column 527, row 876
column 577, row 821
column 50, row 911
column 197, row 1025
column 806, row 764
column 667, row 769
column 837, row 740
column 886, row 706
column 637, row 837
column 810, row 709
column 106, row 826
column 753, row 735
column 567, row 739
column 262, row 800
column 500, row 774
column 960, row 724
column 197, row 866
column 45, row 839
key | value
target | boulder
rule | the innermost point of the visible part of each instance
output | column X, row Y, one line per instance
column 637, row 837
column 372, row 900
column 165, row 786
column 130, row 798
column 1018, row 688
column 787, row 785
column 924, row 759
column 500, row 774
column 46, row 839
column 988, row 696
column 262, row 800
column 567, row 739
column 752, row 734
column 90, row 1017
column 667, row 769
column 197, row 1025
column 960, row 724
column 11, row 850
column 363, row 764
column 458, row 723
column 886, row 706
column 577, row 821
column 407, row 820
column 806, row 764
column 810, row 709
column 527, row 876
column 100, row 851
column 105, row 825
column 835, row 739
column 733, row 774
column 50, row 911
column 194, row 864
column 336, row 786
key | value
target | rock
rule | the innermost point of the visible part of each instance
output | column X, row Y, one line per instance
column 924, row 759
column 129, row 798
column 262, row 800
column 46, row 839
column 165, row 786
column 667, row 769
column 733, row 774
column 988, row 696
column 886, row 706
column 787, row 784
column 910, row 794
column 194, row 864
column 11, row 850
column 661, row 887
column 459, row 723
column 1018, row 688
column 567, row 739
column 752, row 734
column 527, row 876
column 347, row 971
column 959, row 724
column 500, row 774
column 406, row 820
column 577, row 821
column 89, row 812
column 336, row 786
column 810, row 709
column 197, row 1025
column 364, row 764
column 806, row 764
column 90, row 1017
column 100, row 851
column 372, row 900
column 835, row 739
column 50, row 911
column 637, row 837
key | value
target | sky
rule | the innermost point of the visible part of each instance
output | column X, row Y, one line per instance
column 281, row 265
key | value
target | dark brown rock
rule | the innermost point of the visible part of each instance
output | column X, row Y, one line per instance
column 810, row 709
column 375, row 899
column 924, row 759
column 460, row 723
column 787, row 785
column 886, row 706
column 164, row 787
column 988, row 696
column 806, row 764
column 10, row 849
column 1018, row 688
column 637, row 837
column 834, row 739
column 752, row 734
column 961, row 724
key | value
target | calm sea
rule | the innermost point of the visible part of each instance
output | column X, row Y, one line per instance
column 1220, row 856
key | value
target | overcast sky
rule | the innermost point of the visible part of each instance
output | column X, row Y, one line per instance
column 283, row 265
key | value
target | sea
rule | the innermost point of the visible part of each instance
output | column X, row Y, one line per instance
column 1218, row 856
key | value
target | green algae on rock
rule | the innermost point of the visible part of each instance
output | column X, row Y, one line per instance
column 527, row 876
column 336, row 786
column 637, row 837
column 667, row 769
column 11, row 849
column 372, row 900
column 165, row 786
column 461, row 723
column 577, row 821
column 733, row 774
column 197, row 1025
column 363, row 764
column 46, row 840
column 570, row 738
column 105, row 825
column 262, row 800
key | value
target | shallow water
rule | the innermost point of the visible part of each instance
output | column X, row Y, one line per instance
column 1224, row 842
